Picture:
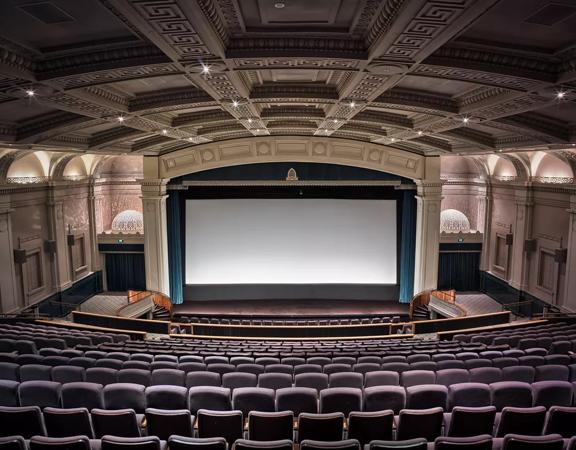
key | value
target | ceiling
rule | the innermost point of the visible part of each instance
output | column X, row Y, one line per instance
column 155, row 76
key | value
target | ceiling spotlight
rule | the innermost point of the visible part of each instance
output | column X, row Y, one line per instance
column 279, row 5
column 352, row 104
column 560, row 95
column 326, row 131
column 257, row 130
column 249, row 120
column 420, row 133
column 392, row 139
column 30, row 92
column 335, row 120
column 465, row 120
column 164, row 131
column 235, row 103
column 205, row 69
column 121, row 119
column 190, row 139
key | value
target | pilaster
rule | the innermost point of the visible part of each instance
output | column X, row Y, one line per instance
column 8, row 289
column 92, row 227
column 155, row 235
column 487, row 202
column 62, row 270
column 428, row 201
column 570, row 280
column 522, row 230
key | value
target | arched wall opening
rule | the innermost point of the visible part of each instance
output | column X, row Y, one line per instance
column 316, row 181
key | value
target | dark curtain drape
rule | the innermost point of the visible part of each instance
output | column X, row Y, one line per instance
column 408, row 246
column 125, row 271
column 174, row 247
column 459, row 270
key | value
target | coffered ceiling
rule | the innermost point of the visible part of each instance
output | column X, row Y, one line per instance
column 156, row 76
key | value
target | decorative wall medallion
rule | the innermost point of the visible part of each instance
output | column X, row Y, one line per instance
column 319, row 149
column 207, row 155
column 263, row 149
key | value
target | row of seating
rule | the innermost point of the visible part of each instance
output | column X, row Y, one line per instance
column 265, row 426
column 297, row 399
column 312, row 322
column 53, row 337
column 293, row 361
column 305, row 349
column 544, row 335
column 277, row 380
column 509, row 442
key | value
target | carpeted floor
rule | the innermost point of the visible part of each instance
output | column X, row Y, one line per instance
column 477, row 303
column 107, row 303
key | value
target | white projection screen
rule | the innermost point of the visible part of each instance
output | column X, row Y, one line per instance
column 290, row 241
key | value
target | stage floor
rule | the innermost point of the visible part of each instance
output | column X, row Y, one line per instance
column 291, row 308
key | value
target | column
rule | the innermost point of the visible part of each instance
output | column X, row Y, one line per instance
column 8, row 289
column 58, row 233
column 570, row 280
column 155, row 235
column 522, row 230
column 94, row 255
column 427, row 235
column 487, row 202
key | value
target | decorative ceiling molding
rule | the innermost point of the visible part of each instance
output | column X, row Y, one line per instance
column 188, row 72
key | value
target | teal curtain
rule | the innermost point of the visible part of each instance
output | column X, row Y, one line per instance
column 408, row 246
column 174, row 247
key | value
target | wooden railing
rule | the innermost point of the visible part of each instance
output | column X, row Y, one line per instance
column 158, row 299
column 447, row 296
column 423, row 298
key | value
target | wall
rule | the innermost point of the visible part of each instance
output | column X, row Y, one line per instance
column 522, row 203
column 50, row 215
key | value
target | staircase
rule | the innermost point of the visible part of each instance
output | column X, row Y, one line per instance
column 161, row 305
column 420, row 312
column 419, row 306
column 160, row 313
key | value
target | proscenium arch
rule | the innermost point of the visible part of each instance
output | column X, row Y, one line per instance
column 291, row 149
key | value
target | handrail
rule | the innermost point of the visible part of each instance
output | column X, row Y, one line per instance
column 423, row 298
column 420, row 299
column 136, row 309
column 158, row 298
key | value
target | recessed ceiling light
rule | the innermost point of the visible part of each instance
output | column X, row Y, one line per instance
column 235, row 103
column 30, row 92
column 420, row 133
column 279, row 5
column 190, row 139
column 335, row 121
column 121, row 119
column 164, row 131
column 560, row 95
column 205, row 69
column 352, row 104
column 392, row 139
column 249, row 120
column 465, row 119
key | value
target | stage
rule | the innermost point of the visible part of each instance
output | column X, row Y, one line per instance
column 275, row 308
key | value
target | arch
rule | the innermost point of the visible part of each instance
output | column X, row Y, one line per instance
column 521, row 165
column 59, row 165
column 460, row 166
column 295, row 149
column 501, row 167
column 119, row 165
column 550, row 165
column 27, row 164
